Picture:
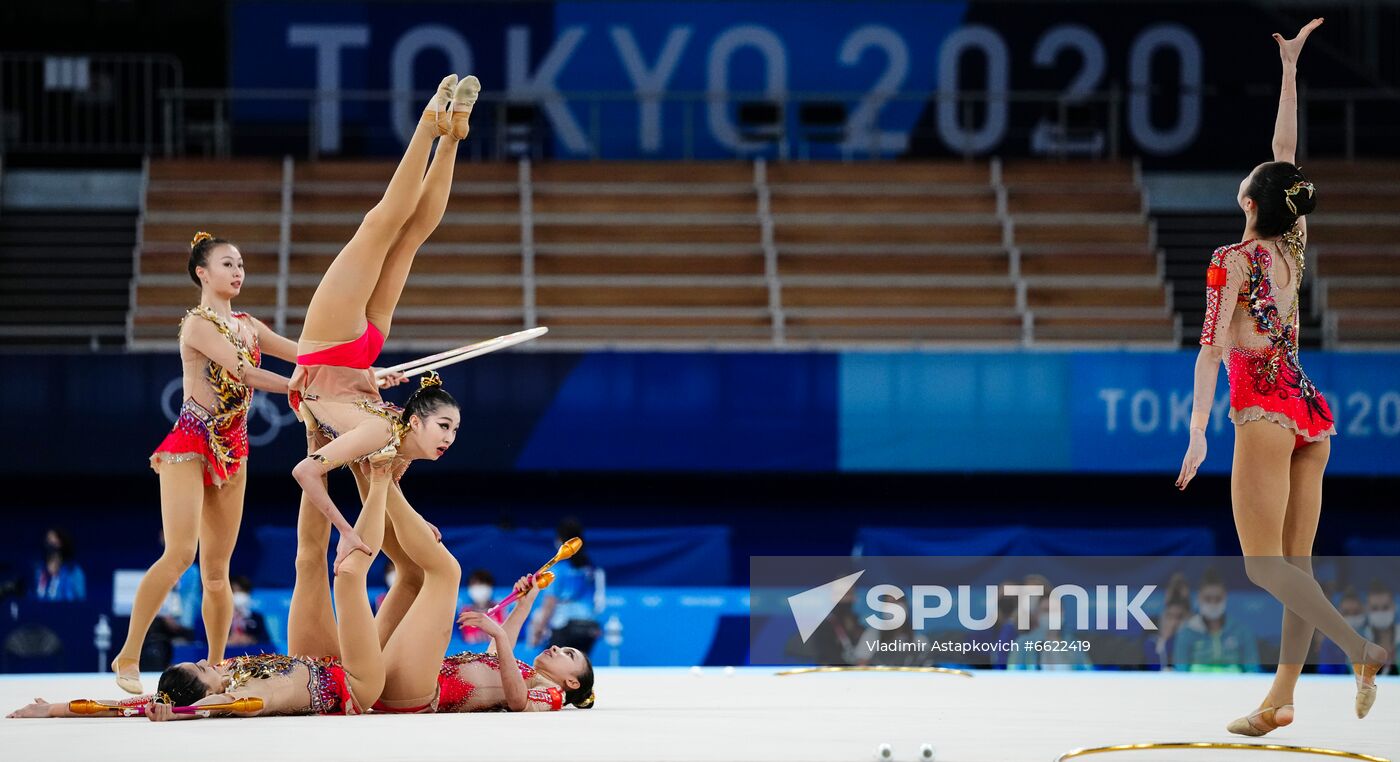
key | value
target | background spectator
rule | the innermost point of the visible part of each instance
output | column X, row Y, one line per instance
column 1209, row 641
column 569, row 608
column 58, row 577
column 1158, row 645
column 1046, row 631
column 480, row 586
column 249, row 627
column 1380, row 621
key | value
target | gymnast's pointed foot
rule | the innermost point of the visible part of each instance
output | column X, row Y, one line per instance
column 1373, row 657
column 128, row 675
column 437, row 111
column 1262, row 721
column 462, row 102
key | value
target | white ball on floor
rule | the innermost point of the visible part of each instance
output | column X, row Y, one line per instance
column 695, row 671
column 884, row 752
column 926, row 753
column 728, row 671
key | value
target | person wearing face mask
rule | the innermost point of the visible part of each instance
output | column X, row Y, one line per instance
column 1380, row 623
column 249, row 626
column 1210, row 641
column 58, row 577
column 480, row 585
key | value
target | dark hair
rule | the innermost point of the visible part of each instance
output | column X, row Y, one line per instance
column 1349, row 594
column 182, row 685
column 1269, row 189
column 1377, row 587
column 483, row 576
column 1211, row 577
column 568, row 529
column 241, row 580
column 65, row 542
column 582, row 696
column 429, row 396
column 200, row 247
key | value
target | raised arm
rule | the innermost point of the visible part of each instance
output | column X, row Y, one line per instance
column 1286, row 125
column 202, row 336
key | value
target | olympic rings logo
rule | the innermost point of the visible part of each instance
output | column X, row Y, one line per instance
column 265, row 418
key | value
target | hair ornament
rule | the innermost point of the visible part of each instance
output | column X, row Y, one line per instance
column 161, row 697
column 200, row 237
column 1295, row 189
column 429, row 380
column 588, row 702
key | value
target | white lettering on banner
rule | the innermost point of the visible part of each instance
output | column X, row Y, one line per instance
column 1047, row 138
column 1359, row 426
column 649, row 84
column 1146, row 410
column 950, row 128
column 881, row 599
column 1388, row 414
column 1179, row 411
column 541, row 86
column 1111, row 398
column 1057, row 606
column 405, row 110
column 774, row 55
column 1188, row 118
column 864, row 133
column 328, row 40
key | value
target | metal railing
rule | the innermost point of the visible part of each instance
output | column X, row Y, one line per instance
column 97, row 103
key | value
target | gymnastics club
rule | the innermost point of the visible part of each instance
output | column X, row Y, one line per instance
column 541, row 581
column 567, row 550
column 467, row 352
column 243, row 705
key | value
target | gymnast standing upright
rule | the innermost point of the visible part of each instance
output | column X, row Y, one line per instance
column 1282, row 423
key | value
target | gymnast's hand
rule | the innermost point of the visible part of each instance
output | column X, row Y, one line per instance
column 526, row 587
column 158, row 712
column 349, row 543
column 40, row 708
column 393, row 379
column 1195, row 455
column 486, row 624
column 1288, row 50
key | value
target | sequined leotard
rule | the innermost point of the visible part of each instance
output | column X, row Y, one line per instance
column 326, row 684
column 213, row 423
column 454, row 693
column 1258, row 325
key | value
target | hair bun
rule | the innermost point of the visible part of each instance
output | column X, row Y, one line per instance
column 588, row 702
column 430, row 380
column 200, row 237
column 1301, row 197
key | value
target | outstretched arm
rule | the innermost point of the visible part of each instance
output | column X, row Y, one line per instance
column 275, row 344
column 201, row 335
column 1286, row 125
column 43, row 709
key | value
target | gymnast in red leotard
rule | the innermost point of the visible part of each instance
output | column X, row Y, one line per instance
column 334, row 389
column 1283, row 426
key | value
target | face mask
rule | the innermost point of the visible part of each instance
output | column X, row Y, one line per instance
column 1381, row 619
column 390, row 579
column 242, row 601
column 1213, row 611
column 480, row 594
column 1356, row 621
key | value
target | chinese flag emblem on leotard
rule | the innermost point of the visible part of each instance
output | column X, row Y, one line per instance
column 1215, row 276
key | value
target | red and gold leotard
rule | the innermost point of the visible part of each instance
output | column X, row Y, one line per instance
column 454, row 692
column 333, row 390
column 1266, row 378
column 326, row 683
column 213, row 421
